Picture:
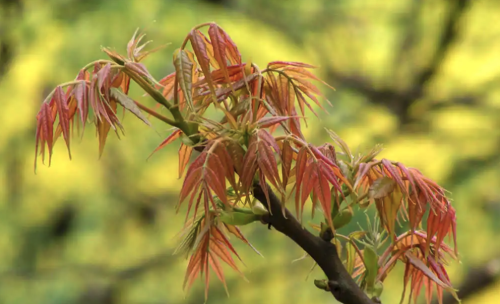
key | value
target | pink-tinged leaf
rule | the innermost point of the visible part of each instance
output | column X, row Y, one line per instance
column 63, row 112
column 294, row 125
column 364, row 168
column 173, row 136
column 215, row 184
column 281, row 64
column 269, row 140
column 80, row 93
column 322, row 191
column 320, row 155
column 267, row 164
column 140, row 69
column 103, row 76
column 227, row 163
column 394, row 174
column 270, row 121
column 219, row 48
column 302, row 101
column 300, row 168
column 200, row 51
column 234, row 55
column 286, row 164
column 329, row 174
column 310, row 178
column 416, row 262
column 44, row 132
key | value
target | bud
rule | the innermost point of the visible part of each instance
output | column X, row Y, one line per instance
column 343, row 218
column 238, row 218
column 259, row 209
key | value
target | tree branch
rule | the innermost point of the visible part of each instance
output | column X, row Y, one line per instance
column 341, row 284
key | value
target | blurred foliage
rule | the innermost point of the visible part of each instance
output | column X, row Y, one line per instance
column 102, row 231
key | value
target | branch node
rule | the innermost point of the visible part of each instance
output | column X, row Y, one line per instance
column 328, row 235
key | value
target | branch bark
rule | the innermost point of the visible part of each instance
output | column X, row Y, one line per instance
column 341, row 284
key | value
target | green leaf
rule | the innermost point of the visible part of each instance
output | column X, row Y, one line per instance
column 370, row 259
column 343, row 146
column 129, row 104
column 238, row 218
column 184, row 65
column 351, row 257
column 343, row 218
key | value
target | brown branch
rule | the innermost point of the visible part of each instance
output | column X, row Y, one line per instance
column 323, row 252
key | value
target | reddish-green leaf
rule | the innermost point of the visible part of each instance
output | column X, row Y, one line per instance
column 184, row 67
column 129, row 104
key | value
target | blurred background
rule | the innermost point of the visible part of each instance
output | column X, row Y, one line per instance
column 420, row 77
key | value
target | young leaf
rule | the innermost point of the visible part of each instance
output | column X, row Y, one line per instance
column 381, row 187
column 129, row 104
column 63, row 112
column 184, row 67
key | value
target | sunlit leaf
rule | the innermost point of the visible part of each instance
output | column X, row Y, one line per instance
column 381, row 187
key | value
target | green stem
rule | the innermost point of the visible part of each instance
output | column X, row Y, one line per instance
column 188, row 129
column 62, row 85
column 100, row 61
column 156, row 114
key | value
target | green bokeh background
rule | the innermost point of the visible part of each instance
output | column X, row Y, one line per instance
column 102, row 231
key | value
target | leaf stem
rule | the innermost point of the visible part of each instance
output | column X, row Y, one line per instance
column 156, row 114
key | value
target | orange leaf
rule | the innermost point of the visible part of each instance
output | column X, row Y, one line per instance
column 184, row 155
column 173, row 136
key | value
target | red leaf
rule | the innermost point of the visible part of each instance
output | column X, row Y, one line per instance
column 322, row 191
column 286, row 165
column 44, row 132
column 184, row 155
column 219, row 47
column 234, row 55
column 394, row 174
column 267, row 164
column 200, row 51
column 300, row 168
column 63, row 111
column 80, row 93
column 269, row 121
column 173, row 136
